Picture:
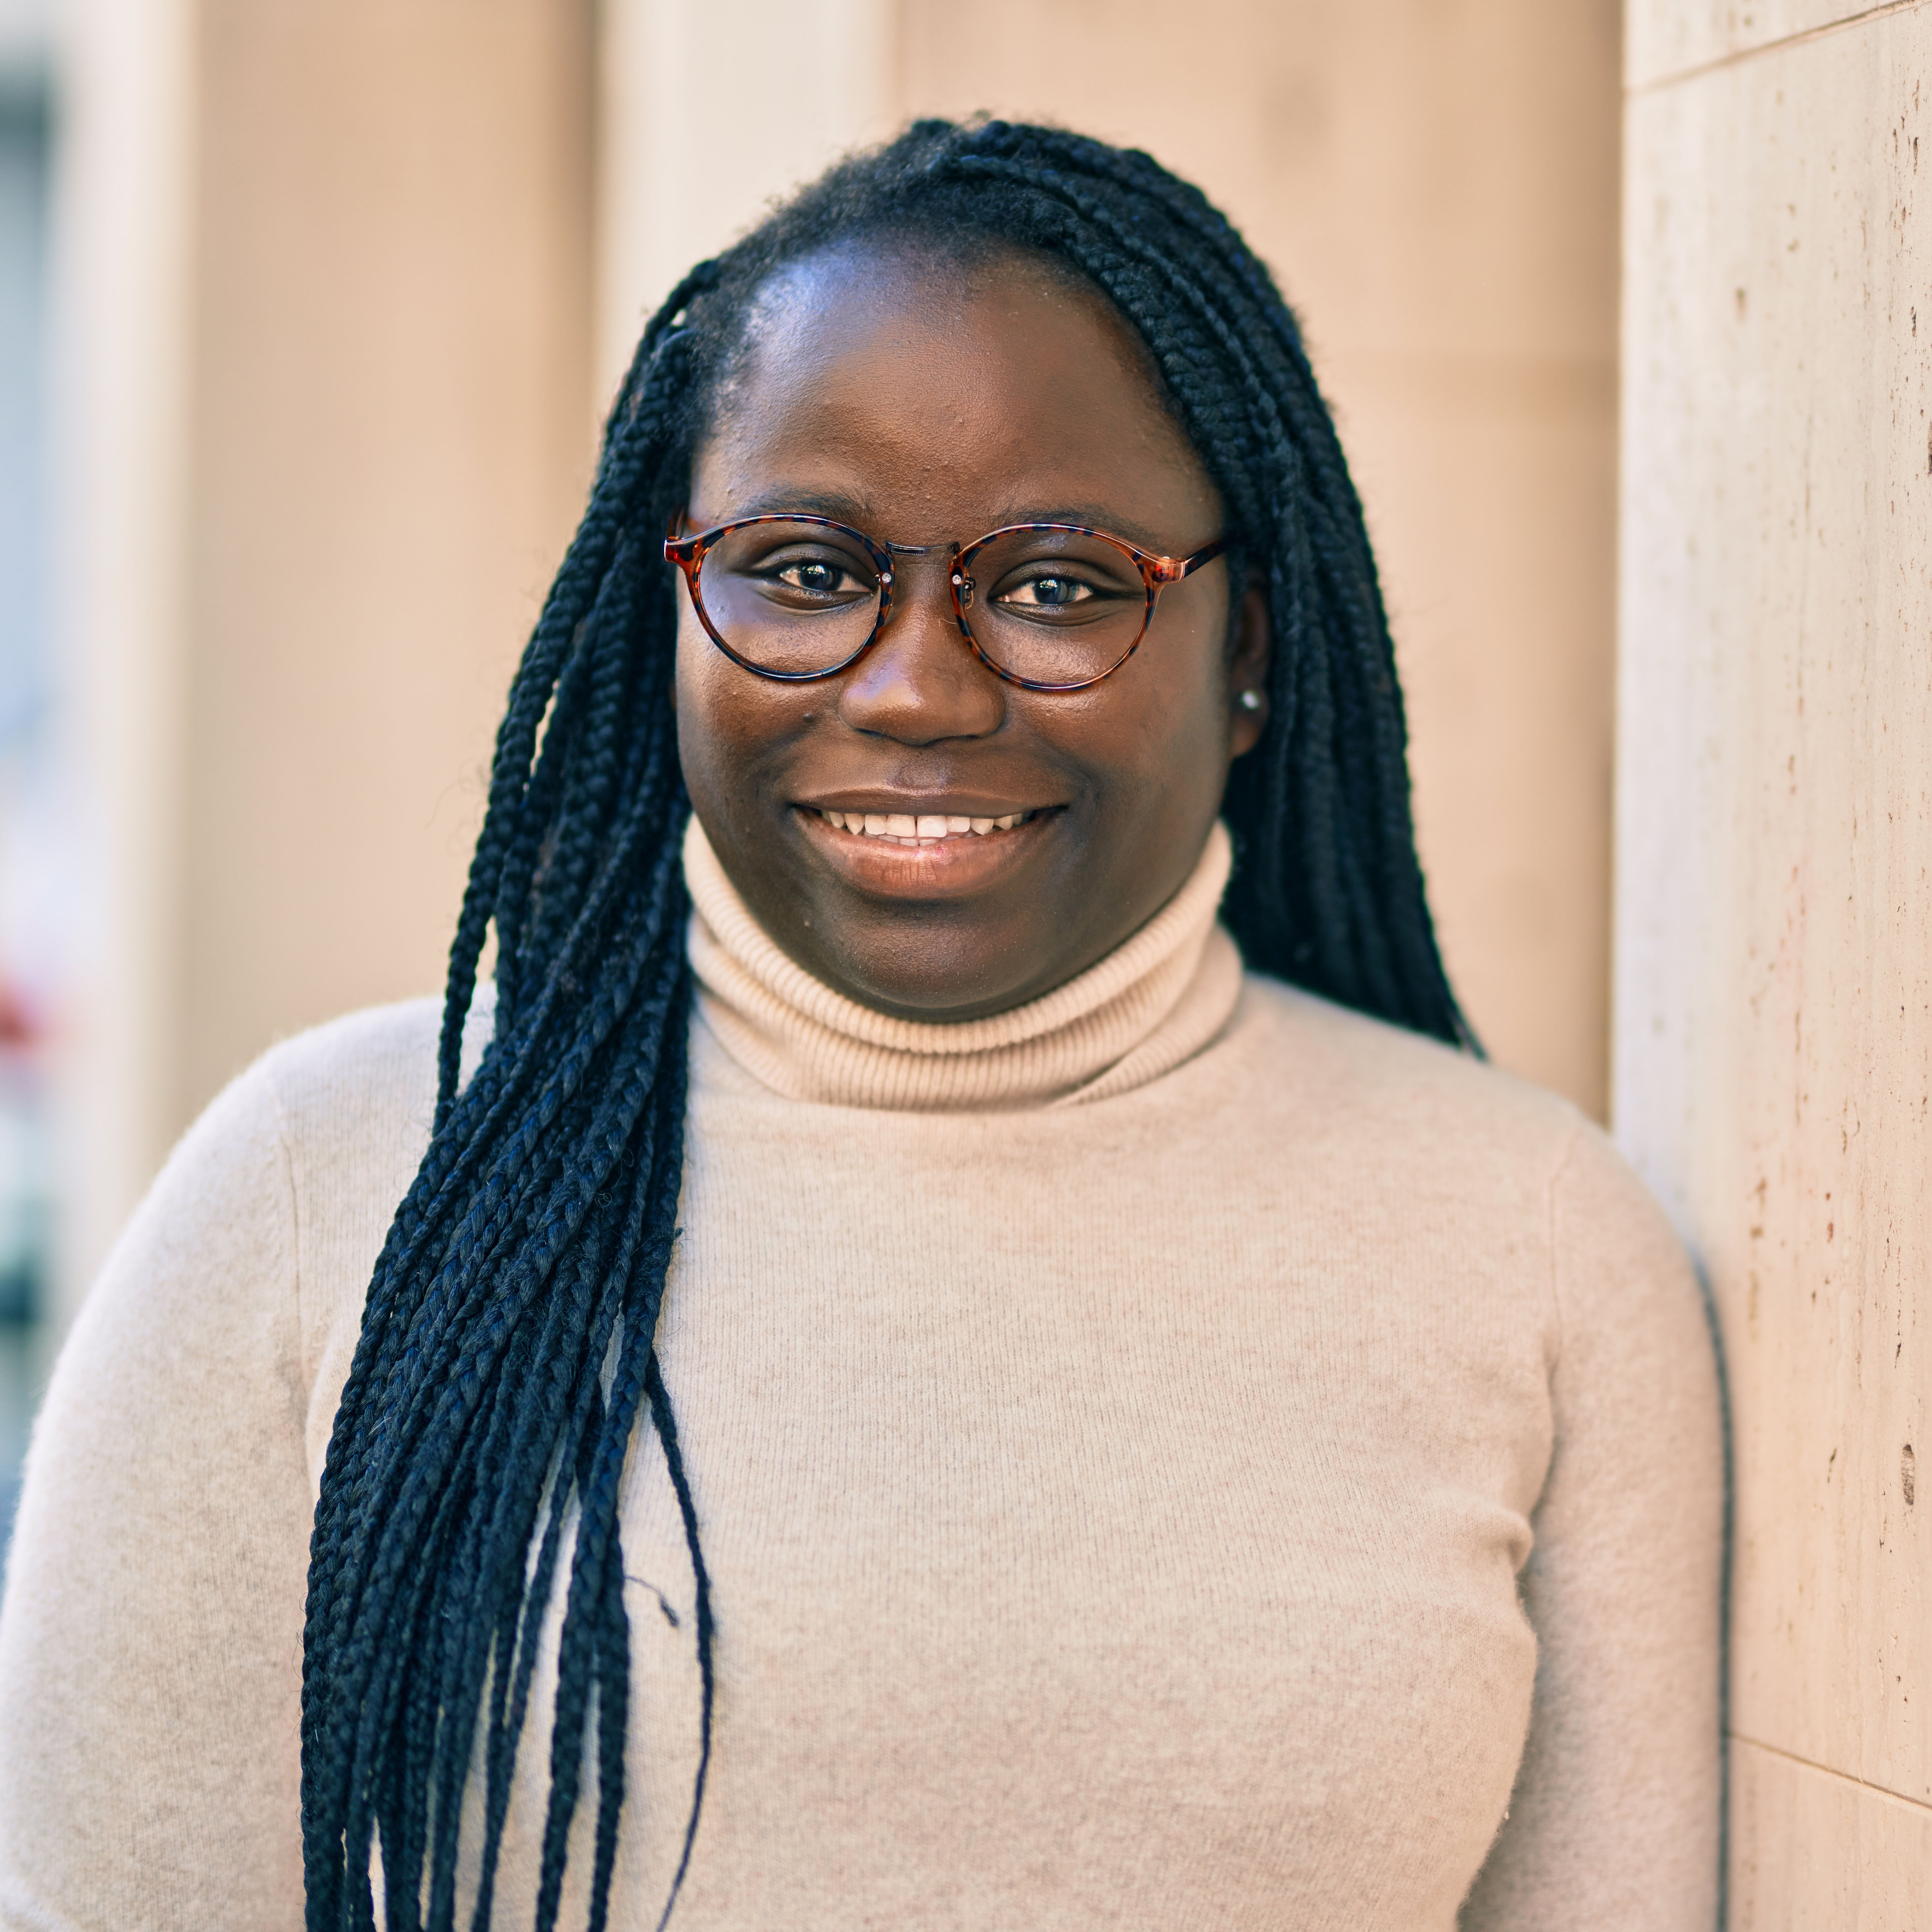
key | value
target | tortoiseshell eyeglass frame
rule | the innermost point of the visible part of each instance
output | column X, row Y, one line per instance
column 687, row 552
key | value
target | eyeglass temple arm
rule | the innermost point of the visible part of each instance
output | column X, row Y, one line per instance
column 1172, row 569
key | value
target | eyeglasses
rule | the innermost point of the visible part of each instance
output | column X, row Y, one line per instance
column 1048, row 606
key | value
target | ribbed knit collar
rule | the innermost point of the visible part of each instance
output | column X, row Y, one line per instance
column 1151, row 1004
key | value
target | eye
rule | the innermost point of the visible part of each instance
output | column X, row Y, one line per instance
column 818, row 577
column 1047, row 593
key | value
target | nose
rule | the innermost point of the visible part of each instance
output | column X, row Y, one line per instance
column 920, row 683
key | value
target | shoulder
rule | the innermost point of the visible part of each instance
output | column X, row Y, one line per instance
column 1398, row 1118
column 360, row 1070
column 272, row 1207
column 360, row 1089
column 1492, row 1178
column 1289, row 1050
column 357, row 1088
column 363, row 1085
column 355, row 1100
column 234, row 1264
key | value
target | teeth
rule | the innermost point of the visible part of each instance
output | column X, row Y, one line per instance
column 903, row 828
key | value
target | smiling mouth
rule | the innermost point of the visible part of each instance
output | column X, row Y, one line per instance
column 901, row 828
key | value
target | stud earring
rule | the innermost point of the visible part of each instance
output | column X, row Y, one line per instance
column 1251, row 701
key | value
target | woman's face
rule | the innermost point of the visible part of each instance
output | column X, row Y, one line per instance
column 928, row 406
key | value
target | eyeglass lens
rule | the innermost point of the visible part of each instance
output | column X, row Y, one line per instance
column 1048, row 607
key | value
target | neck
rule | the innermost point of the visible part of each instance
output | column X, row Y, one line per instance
column 1154, row 1001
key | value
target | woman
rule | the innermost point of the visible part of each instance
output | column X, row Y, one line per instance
column 904, row 1389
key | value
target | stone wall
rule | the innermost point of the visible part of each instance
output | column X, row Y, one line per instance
column 1773, row 975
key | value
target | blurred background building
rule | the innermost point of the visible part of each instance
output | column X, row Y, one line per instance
column 35, row 958
column 306, row 316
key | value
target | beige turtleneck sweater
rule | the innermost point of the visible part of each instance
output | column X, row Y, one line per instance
column 1177, row 1454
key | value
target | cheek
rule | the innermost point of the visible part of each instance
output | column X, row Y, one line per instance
column 735, row 731
column 691, row 694
column 695, row 652
column 711, row 729
column 1180, row 706
column 1154, row 741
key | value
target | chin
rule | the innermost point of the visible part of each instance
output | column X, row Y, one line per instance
column 950, row 988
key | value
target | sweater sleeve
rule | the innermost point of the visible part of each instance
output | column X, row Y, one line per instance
column 1614, row 1820
column 150, row 1637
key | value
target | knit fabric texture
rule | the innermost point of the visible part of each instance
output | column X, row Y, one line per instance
column 1181, row 1453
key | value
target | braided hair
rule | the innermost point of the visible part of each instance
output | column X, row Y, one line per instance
column 507, row 1352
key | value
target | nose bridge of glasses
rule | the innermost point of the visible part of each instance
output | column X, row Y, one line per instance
column 921, row 580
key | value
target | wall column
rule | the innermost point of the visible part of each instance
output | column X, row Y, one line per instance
column 698, row 133
column 1773, row 1015
column 323, row 334
column 123, row 228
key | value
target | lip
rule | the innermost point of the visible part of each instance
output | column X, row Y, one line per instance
column 956, row 867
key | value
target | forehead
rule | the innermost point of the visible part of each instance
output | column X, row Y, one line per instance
column 932, row 391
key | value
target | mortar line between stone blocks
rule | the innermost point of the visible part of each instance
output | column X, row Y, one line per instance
column 1826, row 1770
column 1657, row 82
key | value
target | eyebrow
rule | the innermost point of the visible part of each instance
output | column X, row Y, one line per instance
column 810, row 503
column 844, row 509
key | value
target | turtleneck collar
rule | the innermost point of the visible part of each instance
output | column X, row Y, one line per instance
column 1153, row 1002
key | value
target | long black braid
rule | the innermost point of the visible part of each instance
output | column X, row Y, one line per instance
column 507, row 1350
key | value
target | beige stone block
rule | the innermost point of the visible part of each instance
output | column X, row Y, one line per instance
column 391, row 444
column 1671, row 37
column 1773, row 997
column 1435, row 188
column 1812, row 1852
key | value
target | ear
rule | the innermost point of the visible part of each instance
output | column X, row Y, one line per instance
column 1252, row 651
